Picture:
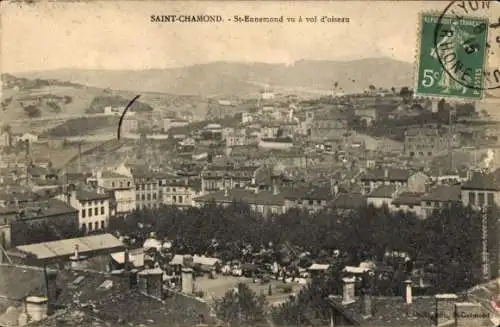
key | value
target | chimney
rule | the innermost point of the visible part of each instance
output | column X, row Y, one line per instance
column 445, row 308
column 51, row 288
column 78, row 261
column 366, row 303
column 471, row 315
column 187, row 281
column 36, row 308
column 348, row 290
column 408, row 292
column 386, row 173
column 276, row 190
column 154, row 285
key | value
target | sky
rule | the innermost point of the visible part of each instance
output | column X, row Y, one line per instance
column 119, row 34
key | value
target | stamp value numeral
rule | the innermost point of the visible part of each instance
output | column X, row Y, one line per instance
column 429, row 78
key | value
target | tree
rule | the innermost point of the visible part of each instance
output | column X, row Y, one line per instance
column 241, row 307
column 404, row 92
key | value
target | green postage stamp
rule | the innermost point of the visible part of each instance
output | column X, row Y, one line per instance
column 452, row 56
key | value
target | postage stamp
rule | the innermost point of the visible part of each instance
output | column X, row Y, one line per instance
column 452, row 56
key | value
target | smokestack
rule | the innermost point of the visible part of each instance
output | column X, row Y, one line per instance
column 77, row 260
column 445, row 309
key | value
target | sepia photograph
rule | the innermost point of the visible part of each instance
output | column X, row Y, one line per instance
column 249, row 163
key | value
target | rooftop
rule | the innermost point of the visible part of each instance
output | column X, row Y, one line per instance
column 482, row 181
column 349, row 201
column 383, row 191
column 62, row 248
column 87, row 195
column 243, row 195
column 444, row 193
column 408, row 198
column 387, row 174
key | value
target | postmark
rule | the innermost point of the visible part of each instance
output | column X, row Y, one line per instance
column 472, row 43
column 452, row 56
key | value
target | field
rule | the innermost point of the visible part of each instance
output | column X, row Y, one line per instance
column 59, row 157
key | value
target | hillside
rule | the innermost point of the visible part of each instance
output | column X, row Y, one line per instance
column 37, row 97
column 231, row 78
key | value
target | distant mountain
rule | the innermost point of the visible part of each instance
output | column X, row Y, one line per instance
column 226, row 78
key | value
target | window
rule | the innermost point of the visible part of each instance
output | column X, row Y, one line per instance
column 96, row 225
column 149, row 197
column 154, row 196
column 428, row 203
column 143, row 197
column 102, row 224
column 174, row 198
column 411, row 206
column 143, row 187
column 112, row 184
column 429, row 153
column 137, row 197
column 480, row 199
column 137, row 187
column 180, row 199
column 96, row 211
column 90, row 226
column 83, row 213
column 491, row 199
column 90, row 212
column 311, row 202
column 121, row 184
column 128, row 183
column 83, row 227
column 472, row 198
column 173, row 189
column 102, row 202
column 102, row 210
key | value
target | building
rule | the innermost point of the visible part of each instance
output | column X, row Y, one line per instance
column 408, row 202
column 180, row 192
column 5, row 139
column 129, row 125
column 366, row 114
column 403, row 179
column 429, row 141
column 326, row 127
column 382, row 195
column 119, row 183
column 481, row 190
column 93, row 208
column 147, row 189
column 440, row 197
column 217, row 178
column 169, row 123
column 277, row 143
column 44, row 220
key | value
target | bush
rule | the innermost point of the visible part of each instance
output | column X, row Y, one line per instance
column 199, row 294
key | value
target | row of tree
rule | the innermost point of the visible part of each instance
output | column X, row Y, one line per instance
column 449, row 241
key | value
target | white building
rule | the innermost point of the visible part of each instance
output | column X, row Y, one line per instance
column 121, row 183
column 93, row 208
column 129, row 126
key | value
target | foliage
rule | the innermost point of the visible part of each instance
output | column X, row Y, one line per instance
column 100, row 102
column 81, row 126
column 447, row 241
column 242, row 307
column 32, row 111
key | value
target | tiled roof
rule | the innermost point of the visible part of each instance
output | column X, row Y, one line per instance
column 383, row 191
column 349, row 201
column 309, row 193
column 86, row 195
column 408, row 198
column 444, row 193
column 112, row 174
column 481, row 181
column 393, row 174
column 247, row 196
